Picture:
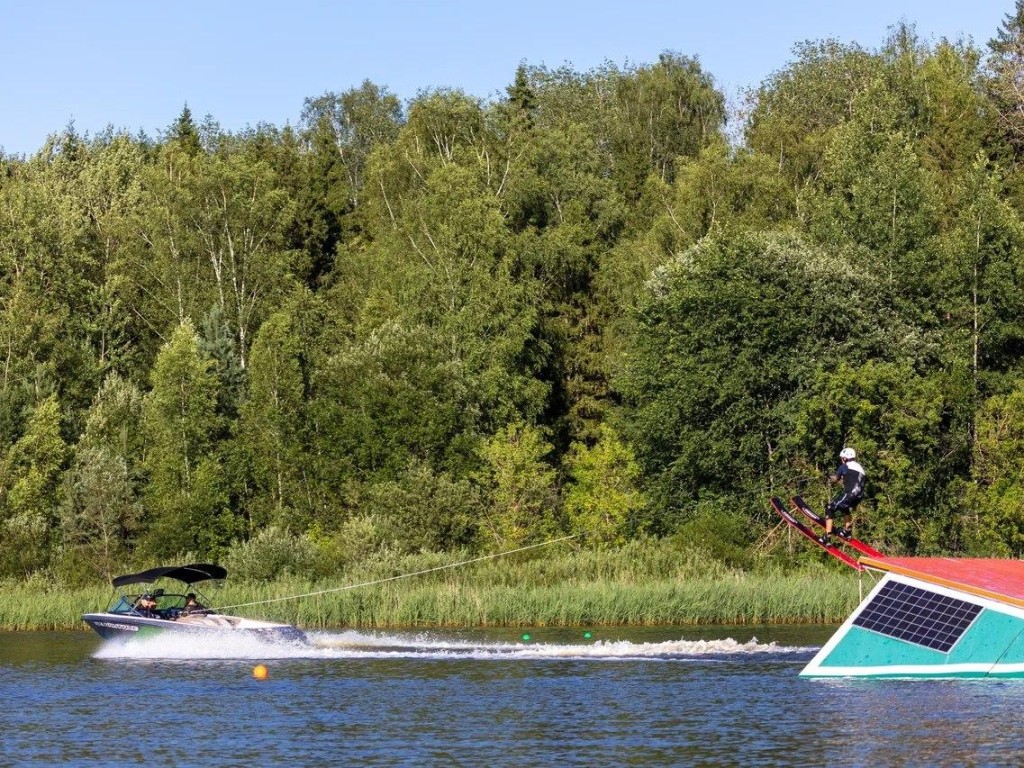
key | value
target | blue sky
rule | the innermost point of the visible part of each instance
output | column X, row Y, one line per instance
column 134, row 65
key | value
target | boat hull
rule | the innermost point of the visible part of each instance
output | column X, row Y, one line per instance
column 112, row 626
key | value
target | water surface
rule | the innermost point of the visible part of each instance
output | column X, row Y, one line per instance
column 623, row 697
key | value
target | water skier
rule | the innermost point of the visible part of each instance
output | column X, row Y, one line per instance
column 851, row 474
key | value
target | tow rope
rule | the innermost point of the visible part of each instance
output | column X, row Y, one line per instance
column 400, row 576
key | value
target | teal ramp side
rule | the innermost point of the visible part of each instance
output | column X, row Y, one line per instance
column 990, row 638
column 994, row 644
column 1011, row 663
column 861, row 648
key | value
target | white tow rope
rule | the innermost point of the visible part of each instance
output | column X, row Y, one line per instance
column 400, row 576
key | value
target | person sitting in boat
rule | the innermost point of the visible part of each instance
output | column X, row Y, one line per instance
column 146, row 606
column 192, row 605
column 851, row 474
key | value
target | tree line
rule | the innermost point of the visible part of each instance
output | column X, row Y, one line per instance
column 466, row 324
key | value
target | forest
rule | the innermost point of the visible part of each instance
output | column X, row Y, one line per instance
column 606, row 304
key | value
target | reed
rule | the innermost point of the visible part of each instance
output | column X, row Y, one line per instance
column 633, row 586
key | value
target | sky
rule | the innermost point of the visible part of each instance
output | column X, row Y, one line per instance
column 135, row 65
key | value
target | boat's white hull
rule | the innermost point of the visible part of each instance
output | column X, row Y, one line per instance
column 113, row 626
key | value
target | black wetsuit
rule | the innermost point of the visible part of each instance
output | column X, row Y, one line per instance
column 852, row 474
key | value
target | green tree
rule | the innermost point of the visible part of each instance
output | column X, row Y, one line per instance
column 102, row 506
column 185, row 134
column 725, row 340
column 904, row 426
column 218, row 343
column 270, row 427
column 99, row 518
column 877, row 195
column 602, row 498
column 210, row 229
column 48, row 269
column 659, row 114
column 979, row 274
column 240, row 216
column 356, row 121
column 446, row 334
column 993, row 509
column 1005, row 66
column 519, row 486
column 794, row 112
column 109, row 193
column 426, row 511
column 185, row 501
column 30, row 491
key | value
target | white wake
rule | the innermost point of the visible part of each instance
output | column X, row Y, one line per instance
column 353, row 644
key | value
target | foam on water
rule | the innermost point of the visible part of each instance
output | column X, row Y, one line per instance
column 352, row 644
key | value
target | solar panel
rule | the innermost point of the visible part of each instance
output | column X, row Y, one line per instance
column 918, row 616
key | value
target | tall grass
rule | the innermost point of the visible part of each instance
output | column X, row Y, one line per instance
column 643, row 583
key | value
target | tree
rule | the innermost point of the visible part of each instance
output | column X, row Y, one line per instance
column 209, row 230
column 905, row 427
column 797, row 108
column 874, row 193
column 271, row 421
column 602, row 498
column 184, row 133
column 102, row 509
column 446, row 334
column 356, row 121
column 240, row 216
column 993, row 511
column 102, row 506
column 519, row 486
column 426, row 511
column 186, row 505
column 30, row 491
column 218, row 344
column 1006, row 73
column 659, row 114
column 48, row 267
column 725, row 339
column 109, row 191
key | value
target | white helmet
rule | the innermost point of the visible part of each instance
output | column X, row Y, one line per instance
column 847, row 453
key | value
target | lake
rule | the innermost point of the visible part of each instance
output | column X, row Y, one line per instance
column 712, row 696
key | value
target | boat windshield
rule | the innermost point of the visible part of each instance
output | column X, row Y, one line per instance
column 124, row 605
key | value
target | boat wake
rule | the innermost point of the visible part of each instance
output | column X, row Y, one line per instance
column 353, row 644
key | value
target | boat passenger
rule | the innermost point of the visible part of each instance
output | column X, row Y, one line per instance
column 192, row 605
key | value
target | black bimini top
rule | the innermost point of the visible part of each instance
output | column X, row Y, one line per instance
column 189, row 574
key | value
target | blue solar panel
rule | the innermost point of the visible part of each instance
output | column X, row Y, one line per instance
column 918, row 616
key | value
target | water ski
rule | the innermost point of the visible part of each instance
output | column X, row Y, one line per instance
column 832, row 549
column 865, row 549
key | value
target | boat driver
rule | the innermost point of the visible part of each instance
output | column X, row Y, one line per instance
column 147, row 606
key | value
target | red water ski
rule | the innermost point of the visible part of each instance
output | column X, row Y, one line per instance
column 860, row 546
column 832, row 549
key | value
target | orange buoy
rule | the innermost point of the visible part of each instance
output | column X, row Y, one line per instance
column 260, row 672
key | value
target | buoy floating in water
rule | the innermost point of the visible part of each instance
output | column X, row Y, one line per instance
column 260, row 672
column 586, row 635
column 526, row 637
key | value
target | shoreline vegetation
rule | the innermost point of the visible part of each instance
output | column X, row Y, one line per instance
column 607, row 303
column 631, row 586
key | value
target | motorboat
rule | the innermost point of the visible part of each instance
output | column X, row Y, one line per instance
column 157, row 610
